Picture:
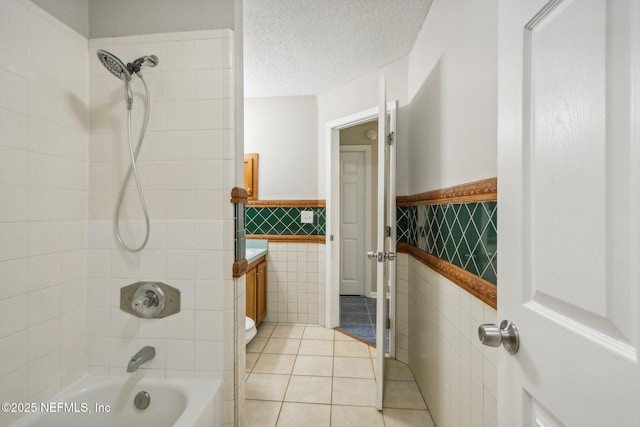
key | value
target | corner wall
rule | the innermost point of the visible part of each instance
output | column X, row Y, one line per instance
column 452, row 140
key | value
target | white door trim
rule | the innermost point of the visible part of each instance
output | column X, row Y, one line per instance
column 366, row 149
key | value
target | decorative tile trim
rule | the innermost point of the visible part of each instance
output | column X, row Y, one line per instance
column 287, row 203
column 240, row 268
column 480, row 288
column 238, row 195
column 288, row 238
column 454, row 231
column 464, row 234
column 486, row 189
column 281, row 219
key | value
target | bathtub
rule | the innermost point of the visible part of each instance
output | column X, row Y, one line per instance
column 108, row 402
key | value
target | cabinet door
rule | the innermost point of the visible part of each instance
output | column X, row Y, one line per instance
column 262, row 291
column 251, row 295
column 251, row 175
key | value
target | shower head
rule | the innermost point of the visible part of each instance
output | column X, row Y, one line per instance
column 114, row 65
column 140, row 63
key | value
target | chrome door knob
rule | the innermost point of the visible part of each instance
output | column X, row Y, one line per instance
column 375, row 256
column 507, row 335
column 391, row 256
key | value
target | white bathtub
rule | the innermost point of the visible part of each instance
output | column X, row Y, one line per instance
column 174, row 403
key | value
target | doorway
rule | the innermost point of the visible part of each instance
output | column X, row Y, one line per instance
column 333, row 252
column 358, row 176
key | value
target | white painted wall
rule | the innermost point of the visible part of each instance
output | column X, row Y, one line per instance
column 283, row 131
column 359, row 95
column 452, row 88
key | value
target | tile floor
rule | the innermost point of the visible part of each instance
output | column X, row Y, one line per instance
column 316, row 377
column 358, row 317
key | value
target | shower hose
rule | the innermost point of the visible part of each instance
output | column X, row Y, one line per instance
column 134, row 169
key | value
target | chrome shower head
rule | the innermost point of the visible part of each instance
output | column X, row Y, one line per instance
column 114, row 65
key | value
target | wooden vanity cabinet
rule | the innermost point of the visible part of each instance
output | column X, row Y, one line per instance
column 256, row 279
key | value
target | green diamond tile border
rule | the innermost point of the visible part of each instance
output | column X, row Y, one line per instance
column 464, row 234
column 284, row 221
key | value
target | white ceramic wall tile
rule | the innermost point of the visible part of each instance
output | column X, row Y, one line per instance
column 180, row 145
column 186, row 194
column 13, row 129
column 459, row 385
column 209, row 53
column 14, row 90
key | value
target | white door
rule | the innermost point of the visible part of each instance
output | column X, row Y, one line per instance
column 384, row 255
column 569, row 207
column 352, row 221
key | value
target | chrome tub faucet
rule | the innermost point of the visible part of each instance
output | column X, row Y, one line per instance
column 144, row 355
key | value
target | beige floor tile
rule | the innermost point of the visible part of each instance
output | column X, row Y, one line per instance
column 354, row 391
column 261, row 413
column 265, row 330
column 352, row 367
column 351, row 349
column 406, row 418
column 304, row 414
column 275, row 363
column 394, row 370
column 341, row 336
column 319, row 366
column 266, row 386
column 306, row 389
column 282, row 346
column 256, row 345
column 316, row 348
column 287, row 331
column 355, row 416
column 251, row 361
column 402, row 394
column 318, row 333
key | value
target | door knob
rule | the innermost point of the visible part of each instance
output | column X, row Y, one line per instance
column 391, row 256
column 507, row 335
column 375, row 256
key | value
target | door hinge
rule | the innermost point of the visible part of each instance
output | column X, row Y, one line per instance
column 387, row 231
column 388, row 323
column 390, row 136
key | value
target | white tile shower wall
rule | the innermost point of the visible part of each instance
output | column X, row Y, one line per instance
column 295, row 288
column 43, row 204
column 187, row 170
column 456, row 374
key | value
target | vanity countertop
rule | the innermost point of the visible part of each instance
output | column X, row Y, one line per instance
column 255, row 249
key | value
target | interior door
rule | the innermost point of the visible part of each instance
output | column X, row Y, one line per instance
column 352, row 221
column 569, row 204
column 384, row 256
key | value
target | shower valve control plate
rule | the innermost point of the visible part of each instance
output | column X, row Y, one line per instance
column 150, row 299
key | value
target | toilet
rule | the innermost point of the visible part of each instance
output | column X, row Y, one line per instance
column 251, row 330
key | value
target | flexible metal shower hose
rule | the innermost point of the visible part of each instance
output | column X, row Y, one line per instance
column 133, row 168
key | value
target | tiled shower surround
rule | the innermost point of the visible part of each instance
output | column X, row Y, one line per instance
column 187, row 171
column 464, row 234
column 43, row 204
column 63, row 153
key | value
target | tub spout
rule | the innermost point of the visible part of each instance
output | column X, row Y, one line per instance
column 144, row 355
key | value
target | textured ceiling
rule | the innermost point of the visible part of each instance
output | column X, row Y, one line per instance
column 306, row 47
